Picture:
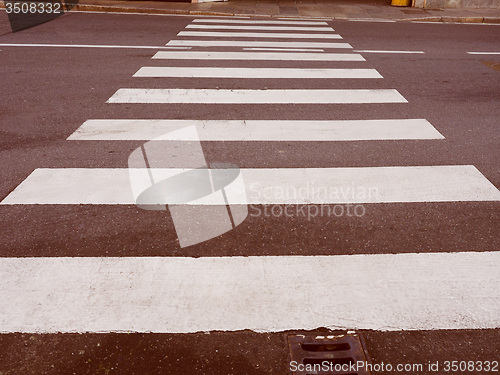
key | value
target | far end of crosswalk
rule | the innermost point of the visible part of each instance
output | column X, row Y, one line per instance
column 257, row 21
column 240, row 34
column 257, row 27
column 257, row 73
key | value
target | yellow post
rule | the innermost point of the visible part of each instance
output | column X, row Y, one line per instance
column 401, row 3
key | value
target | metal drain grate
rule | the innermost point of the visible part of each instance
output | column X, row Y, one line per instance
column 320, row 354
column 495, row 65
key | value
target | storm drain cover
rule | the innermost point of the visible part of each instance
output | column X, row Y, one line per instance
column 322, row 354
column 495, row 65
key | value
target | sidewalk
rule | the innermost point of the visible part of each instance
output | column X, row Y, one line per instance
column 329, row 9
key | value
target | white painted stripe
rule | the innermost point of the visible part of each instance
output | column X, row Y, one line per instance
column 272, row 185
column 244, row 43
column 285, row 49
column 481, row 24
column 257, row 130
column 208, row 55
column 269, row 73
column 222, row 34
column 223, row 17
column 382, row 51
column 387, row 292
column 211, row 96
column 257, row 27
column 87, row 46
column 258, row 22
column 483, row 53
column 170, row 15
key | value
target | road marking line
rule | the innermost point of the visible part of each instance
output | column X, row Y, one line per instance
column 222, row 34
column 380, row 51
column 244, row 43
column 257, row 27
column 214, row 96
column 272, row 185
column 387, row 292
column 285, row 49
column 86, row 46
column 483, row 53
column 268, row 73
column 257, row 22
column 445, row 22
column 208, row 55
column 308, row 18
column 257, row 130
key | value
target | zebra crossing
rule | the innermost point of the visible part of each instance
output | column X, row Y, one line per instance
column 181, row 294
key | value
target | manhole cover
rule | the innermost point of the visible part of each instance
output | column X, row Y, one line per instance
column 323, row 354
column 495, row 65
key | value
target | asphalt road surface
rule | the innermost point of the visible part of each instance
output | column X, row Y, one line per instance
column 362, row 193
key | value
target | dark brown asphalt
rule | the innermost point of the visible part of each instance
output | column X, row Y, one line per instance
column 47, row 94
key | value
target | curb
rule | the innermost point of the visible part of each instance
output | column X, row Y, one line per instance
column 488, row 20
column 157, row 11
